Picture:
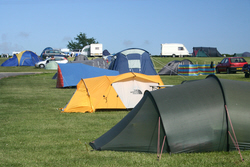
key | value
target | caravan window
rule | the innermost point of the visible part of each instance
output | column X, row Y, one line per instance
column 134, row 64
column 180, row 48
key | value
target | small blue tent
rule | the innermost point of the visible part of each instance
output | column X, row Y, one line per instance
column 48, row 48
column 71, row 73
column 105, row 52
column 133, row 60
column 24, row 58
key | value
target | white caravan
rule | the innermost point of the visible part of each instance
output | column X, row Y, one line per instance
column 174, row 49
column 92, row 50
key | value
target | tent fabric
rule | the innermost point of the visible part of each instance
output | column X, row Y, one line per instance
column 171, row 68
column 24, row 58
column 245, row 54
column 201, row 53
column 70, row 74
column 105, row 52
column 192, row 116
column 133, row 60
column 111, row 92
column 81, row 58
column 205, row 52
column 47, row 48
column 52, row 65
column 98, row 62
column 11, row 61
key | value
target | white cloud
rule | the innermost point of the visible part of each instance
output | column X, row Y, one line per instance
column 128, row 43
column 8, row 47
column 66, row 39
column 23, row 34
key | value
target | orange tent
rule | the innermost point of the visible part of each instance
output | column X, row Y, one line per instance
column 111, row 92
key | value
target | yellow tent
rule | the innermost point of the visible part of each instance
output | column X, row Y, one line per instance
column 111, row 92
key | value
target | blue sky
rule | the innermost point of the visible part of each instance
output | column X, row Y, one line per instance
column 121, row 24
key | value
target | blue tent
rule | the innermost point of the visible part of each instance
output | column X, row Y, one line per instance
column 48, row 48
column 24, row 58
column 133, row 60
column 105, row 52
column 71, row 73
column 11, row 61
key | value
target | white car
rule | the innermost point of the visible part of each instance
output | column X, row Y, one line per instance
column 42, row 64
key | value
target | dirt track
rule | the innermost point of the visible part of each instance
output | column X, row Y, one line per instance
column 10, row 74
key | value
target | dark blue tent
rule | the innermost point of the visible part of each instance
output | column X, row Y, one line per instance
column 71, row 73
column 133, row 60
column 24, row 58
column 105, row 52
column 246, row 54
column 48, row 48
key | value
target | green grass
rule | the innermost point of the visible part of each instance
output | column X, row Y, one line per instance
column 33, row 131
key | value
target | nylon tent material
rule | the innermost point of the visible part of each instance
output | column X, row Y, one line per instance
column 105, row 52
column 111, row 92
column 81, row 58
column 245, row 54
column 205, row 52
column 47, row 48
column 70, row 74
column 133, row 60
column 24, row 58
column 201, row 53
column 11, row 61
column 193, row 119
column 171, row 68
column 98, row 62
column 52, row 65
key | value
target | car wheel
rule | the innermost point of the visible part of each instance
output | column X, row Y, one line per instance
column 246, row 75
column 228, row 70
column 41, row 65
column 217, row 71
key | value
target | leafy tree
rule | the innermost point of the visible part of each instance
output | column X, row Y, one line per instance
column 81, row 41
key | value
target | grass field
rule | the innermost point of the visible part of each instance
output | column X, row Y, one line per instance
column 33, row 131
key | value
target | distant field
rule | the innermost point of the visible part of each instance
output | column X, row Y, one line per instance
column 33, row 131
column 158, row 62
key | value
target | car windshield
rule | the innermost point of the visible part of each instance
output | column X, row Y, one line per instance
column 237, row 60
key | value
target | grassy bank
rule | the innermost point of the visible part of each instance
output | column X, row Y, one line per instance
column 33, row 131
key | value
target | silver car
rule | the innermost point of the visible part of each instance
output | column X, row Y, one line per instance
column 42, row 64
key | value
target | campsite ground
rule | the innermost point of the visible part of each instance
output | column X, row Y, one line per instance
column 33, row 131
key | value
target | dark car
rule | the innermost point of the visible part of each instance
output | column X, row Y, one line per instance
column 49, row 53
column 231, row 65
column 246, row 70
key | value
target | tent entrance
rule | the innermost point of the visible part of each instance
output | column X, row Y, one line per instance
column 131, row 92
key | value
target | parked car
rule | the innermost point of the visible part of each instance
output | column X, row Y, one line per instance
column 42, row 64
column 231, row 65
column 246, row 70
column 54, row 52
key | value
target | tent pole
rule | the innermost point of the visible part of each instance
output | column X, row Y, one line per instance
column 236, row 142
column 158, row 143
column 88, row 95
column 162, row 147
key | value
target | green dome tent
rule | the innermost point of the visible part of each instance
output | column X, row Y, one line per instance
column 52, row 65
column 193, row 118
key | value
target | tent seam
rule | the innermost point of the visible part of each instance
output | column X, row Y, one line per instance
column 153, row 100
column 224, row 99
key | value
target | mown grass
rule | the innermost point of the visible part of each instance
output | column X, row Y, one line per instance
column 33, row 131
